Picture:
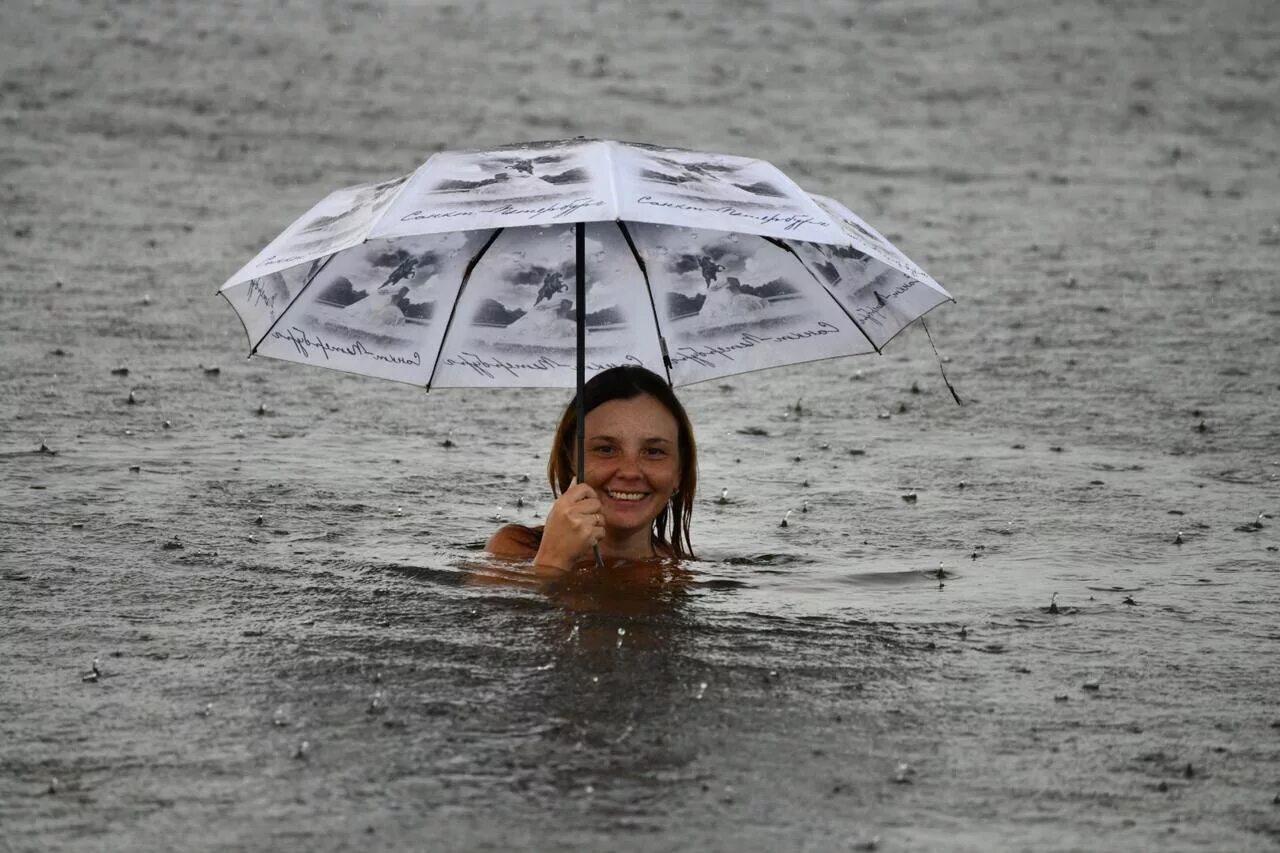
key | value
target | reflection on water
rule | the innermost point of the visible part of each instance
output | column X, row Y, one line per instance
column 622, row 692
column 622, row 588
column 617, row 688
column 586, row 688
column 616, row 685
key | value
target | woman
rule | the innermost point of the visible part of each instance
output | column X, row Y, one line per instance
column 635, row 498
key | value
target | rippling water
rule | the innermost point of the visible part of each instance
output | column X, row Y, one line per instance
column 772, row 696
column 337, row 675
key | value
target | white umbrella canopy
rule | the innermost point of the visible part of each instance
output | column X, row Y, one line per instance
column 463, row 273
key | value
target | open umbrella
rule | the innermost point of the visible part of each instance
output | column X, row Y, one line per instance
column 542, row 263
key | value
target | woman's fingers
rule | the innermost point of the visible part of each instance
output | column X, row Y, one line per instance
column 575, row 522
column 579, row 491
column 588, row 517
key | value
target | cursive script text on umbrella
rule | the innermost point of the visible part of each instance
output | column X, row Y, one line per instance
column 305, row 343
column 702, row 355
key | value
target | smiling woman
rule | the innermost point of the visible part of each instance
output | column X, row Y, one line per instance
column 635, row 499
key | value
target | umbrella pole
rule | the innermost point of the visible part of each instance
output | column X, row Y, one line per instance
column 580, row 265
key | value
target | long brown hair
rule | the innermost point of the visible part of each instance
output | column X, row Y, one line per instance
column 625, row 383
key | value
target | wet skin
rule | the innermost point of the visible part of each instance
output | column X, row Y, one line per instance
column 633, row 466
column 632, row 470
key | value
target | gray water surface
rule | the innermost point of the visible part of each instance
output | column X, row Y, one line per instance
column 1097, row 188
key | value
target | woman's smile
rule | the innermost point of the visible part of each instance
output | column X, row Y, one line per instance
column 626, row 496
column 627, row 508
column 632, row 462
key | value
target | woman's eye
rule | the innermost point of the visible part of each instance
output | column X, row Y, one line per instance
column 655, row 452
column 603, row 449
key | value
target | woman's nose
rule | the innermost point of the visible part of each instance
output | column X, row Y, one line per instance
column 629, row 464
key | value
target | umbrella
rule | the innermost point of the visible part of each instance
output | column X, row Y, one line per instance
column 539, row 264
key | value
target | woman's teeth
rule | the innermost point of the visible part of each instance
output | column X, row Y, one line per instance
column 626, row 496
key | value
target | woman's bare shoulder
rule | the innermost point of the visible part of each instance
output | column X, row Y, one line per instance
column 515, row 540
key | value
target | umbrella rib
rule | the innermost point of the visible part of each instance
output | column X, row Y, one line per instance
column 254, row 349
column 243, row 325
column 783, row 245
column 466, row 277
column 644, row 271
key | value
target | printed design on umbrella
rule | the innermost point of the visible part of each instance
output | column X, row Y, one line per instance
column 548, row 311
column 378, row 292
column 446, row 279
column 725, row 286
column 707, row 177
column 714, row 191
column 734, row 302
column 483, row 177
column 834, row 264
column 859, row 232
column 889, row 301
column 346, row 223
column 516, row 318
column 409, row 271
column 881, row 299
column 531, row 299
column 872, row 241
column 271, row 294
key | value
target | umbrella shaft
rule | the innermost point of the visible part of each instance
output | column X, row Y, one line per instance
column 581, row 294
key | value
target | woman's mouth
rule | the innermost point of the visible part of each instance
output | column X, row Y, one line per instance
column 627, row 497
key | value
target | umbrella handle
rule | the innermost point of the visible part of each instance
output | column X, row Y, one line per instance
column 580, row 274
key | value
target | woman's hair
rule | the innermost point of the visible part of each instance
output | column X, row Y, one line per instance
column 625, row 383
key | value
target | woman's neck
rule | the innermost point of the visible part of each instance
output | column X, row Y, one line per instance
column 632, row 545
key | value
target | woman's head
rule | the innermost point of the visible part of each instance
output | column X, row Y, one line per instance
column 641, row 455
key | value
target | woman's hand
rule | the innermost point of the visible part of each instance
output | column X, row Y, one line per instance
column 574, row 524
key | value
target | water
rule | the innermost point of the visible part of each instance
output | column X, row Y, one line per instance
column 777, row 692
column 283, row 589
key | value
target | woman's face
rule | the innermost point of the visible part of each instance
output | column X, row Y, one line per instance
column 633, row 460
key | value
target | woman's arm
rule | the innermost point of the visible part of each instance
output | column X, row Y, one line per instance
column 574, row 525
column 515, row 541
